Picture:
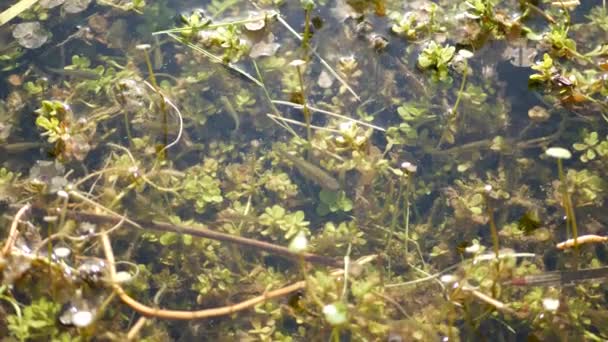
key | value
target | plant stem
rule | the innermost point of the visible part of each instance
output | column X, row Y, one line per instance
column 567, row 203
column 305, row 109
column 393, row 224
column 495, row 242
column 407, row 213
column 306, row 36
column 163, row 105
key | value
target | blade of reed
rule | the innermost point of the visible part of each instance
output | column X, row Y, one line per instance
column 15, row 10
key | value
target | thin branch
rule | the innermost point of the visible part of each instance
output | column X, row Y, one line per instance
column 211, row 234
column 323, row 62
column 180, row 118
column 216, row 59
column 298, row 123
column 326, row 112
column 198, row 314
column 14, row 232
column 15, row 10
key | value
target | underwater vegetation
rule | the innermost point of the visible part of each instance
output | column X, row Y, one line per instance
column 329, row 170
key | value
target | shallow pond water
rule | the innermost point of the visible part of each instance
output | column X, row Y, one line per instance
column 288, row 170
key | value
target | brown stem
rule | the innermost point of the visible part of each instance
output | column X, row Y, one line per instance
column 198, row 314
column 214, row 235
column 13, row 232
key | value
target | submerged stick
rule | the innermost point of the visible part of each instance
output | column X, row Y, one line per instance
column 205, row 313
column 13, row 232
column 581, row 240
column 211, row 234
column 326, row 112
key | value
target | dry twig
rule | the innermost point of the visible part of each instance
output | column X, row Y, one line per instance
column 13, row 232
column 199, row 314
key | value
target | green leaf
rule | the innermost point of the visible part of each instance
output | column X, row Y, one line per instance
column 328, row 197
column 168, row 239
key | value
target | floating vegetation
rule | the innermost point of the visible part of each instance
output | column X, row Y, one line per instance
column 303, row 170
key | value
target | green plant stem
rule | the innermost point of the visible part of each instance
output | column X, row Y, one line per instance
column 306, row 36
column 495, row 243
column 407, row 214
column 389, row 240
column 454, row 113
column 567, row 203
column 335, row 334
column 460, row 92
column 305, row 109
column 163, row 105
column 128, row 127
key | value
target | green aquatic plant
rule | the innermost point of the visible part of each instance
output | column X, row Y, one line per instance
column 333, row 201
column 193, row 23
column 338, row 235
column 8, row 182
column 244, row 101
column 482, row 10
column 562, row 45
column 560, row 154
column 308, row 6
column 50, row 116
column 546, row 70
column 130, row 5
column 35, row 321
column 415, row 115
column 70, row 137
column 10, row 56
column 591, row 147
column 406, row 24
column 201, row 186
column 277, row 221
column 437, row 58
column 36, row 88
column 280, row 183
column 217, row 280
column 586, row 186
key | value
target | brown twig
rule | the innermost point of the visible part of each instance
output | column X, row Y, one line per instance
column 13, row 232
column 500, row 306
column 581, row 240
column 75, row 238
column 198, row 314
column 214, row 235
column 134, row 331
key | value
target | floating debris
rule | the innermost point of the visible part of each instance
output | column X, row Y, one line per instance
column 538, row 114
column 266, row 47
column 75, row 6
column 30, row 35
column 76, row 314
column 93, row 271
column 50, row 3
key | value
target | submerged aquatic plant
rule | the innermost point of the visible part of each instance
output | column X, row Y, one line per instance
column 591, row 147
column 311, row 219
column 437, row 58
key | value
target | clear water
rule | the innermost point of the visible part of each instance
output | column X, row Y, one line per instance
column 208, row 151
